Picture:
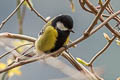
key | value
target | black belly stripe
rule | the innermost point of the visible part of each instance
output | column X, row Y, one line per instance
column 62, row 36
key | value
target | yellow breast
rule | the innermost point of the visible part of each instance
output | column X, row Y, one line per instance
column 47, row 40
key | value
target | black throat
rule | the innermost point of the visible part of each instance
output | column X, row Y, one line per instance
column 62, row 37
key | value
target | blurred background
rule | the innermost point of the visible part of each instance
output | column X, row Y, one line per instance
column 107, row 62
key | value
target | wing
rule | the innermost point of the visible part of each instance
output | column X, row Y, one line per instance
column 46, row 25
column 43, row 29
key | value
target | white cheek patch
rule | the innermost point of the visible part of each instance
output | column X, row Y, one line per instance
column 61, row 26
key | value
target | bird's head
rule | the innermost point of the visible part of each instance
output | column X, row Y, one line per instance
column 63, row 23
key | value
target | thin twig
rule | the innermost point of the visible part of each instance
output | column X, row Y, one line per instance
column 71, row 59
column 110, row 11
column 98, row 54
column 93, row 8
column 105, row 22
column 97, row 76
column 5, row 20
column 13, row 50
column 82, row 3
column 115, row 18
column 19, row 64
column 17, row 36
column 78, row 66
column 19, row 5
column 96, row 18
column 35, row 11
column 27, row 50
column 101, row 51
column 19, row 58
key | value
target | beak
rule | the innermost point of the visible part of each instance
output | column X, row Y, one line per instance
column 71, row 30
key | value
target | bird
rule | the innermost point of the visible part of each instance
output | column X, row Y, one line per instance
column 55, row 34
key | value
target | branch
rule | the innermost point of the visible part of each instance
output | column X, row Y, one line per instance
column 13, row 50
column 20, row 64
column 82, row 3
column 109, row 27
column 101, row 51
column 110, row 11
column 35, row 11
column 5, row 20
column 93, row 8
column 79, row 66
column 96, row 18
column 90, row 64
column 19, row 5
column 105, row 22
column 17, row 36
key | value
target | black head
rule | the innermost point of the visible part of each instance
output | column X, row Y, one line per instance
column 63, row 21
